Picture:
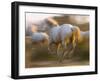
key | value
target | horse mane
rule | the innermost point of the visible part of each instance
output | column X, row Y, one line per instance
column 52, row 21
column 34, row 28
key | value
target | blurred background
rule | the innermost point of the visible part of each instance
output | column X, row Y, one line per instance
column 38, row 56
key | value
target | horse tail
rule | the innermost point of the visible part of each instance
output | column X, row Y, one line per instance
column 75, row 34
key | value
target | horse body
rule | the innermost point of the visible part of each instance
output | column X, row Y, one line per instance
column 39, row 37
column 65, row 37
column 65, row 32
column 60, row 33
column 54, row 34
column 84, row 36
column 61, row 37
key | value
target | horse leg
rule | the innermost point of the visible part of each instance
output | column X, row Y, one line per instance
column 65, row 52
column 58, row 47
column 49, row 47
column 64, row 47
column 72, row 50
column 59, row 55
column 64, row 44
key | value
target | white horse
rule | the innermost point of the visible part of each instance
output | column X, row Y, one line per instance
column 84, row 36
column 39, row 38
column 40, row 26
column 65, row 36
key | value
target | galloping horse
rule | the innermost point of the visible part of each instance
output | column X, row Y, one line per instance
column 40, row 38
column 64, row 36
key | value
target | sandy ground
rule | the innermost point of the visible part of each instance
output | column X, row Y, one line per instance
column 56, row 64
column 37, row 56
